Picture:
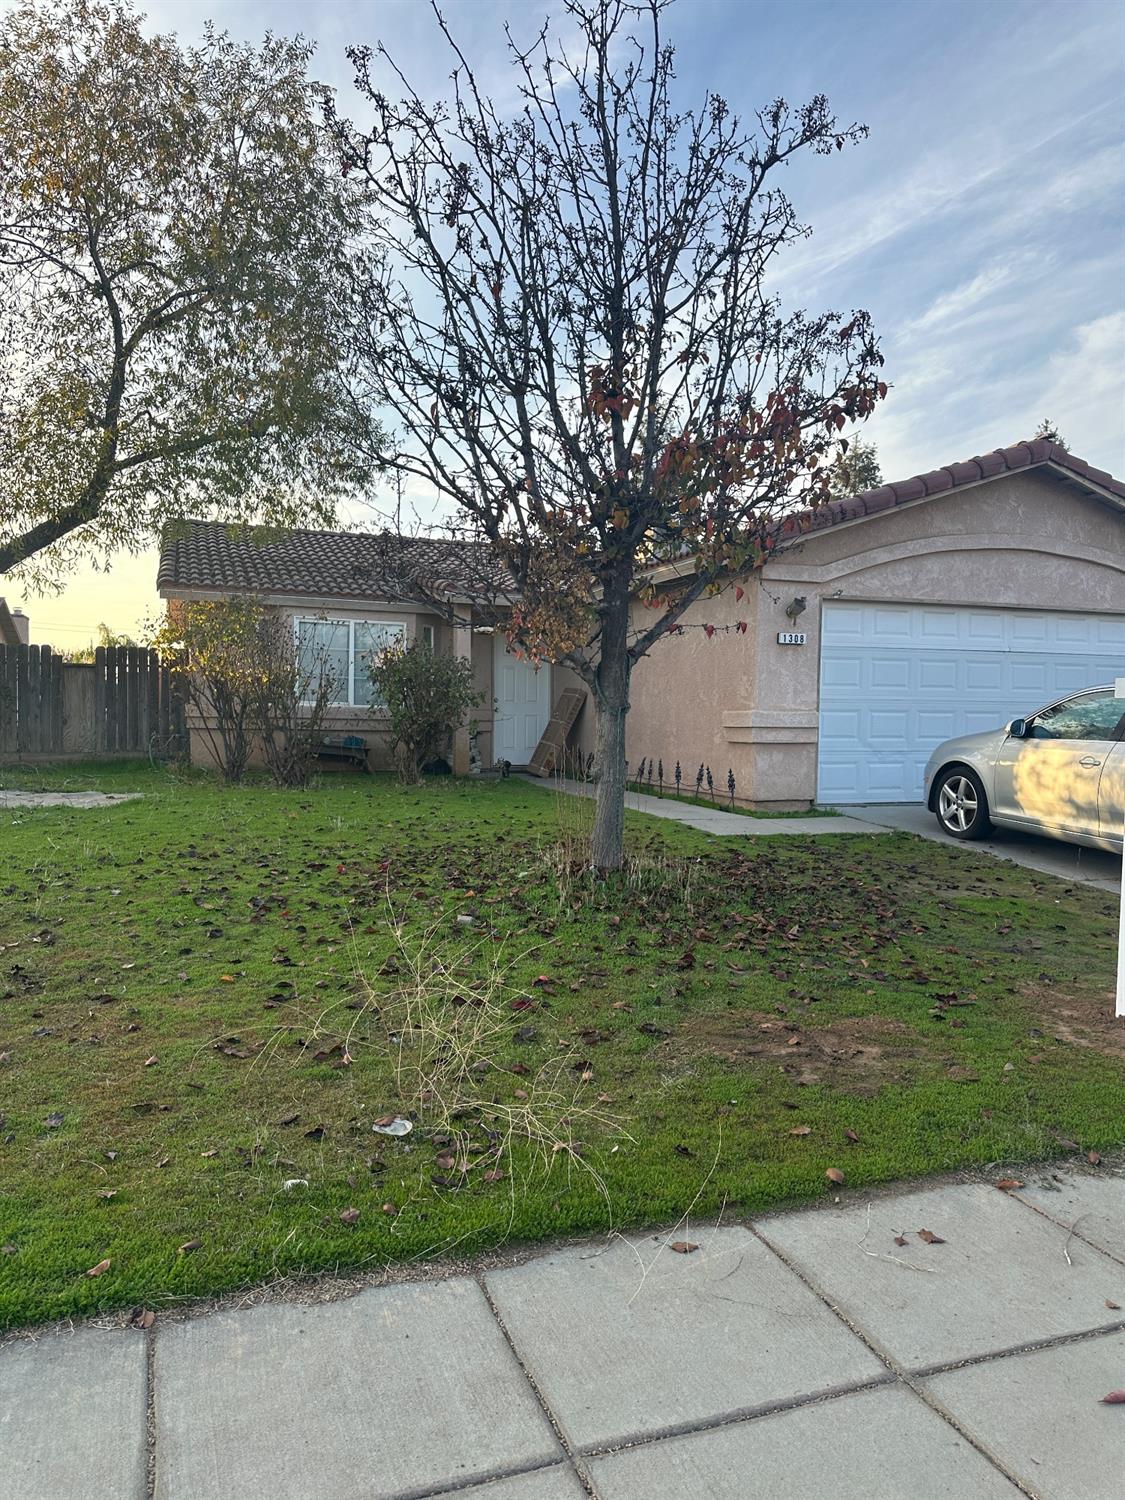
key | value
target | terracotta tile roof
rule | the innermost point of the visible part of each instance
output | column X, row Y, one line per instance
column 212, row 556
column 972, row 471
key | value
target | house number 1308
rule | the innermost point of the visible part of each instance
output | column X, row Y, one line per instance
column 791, row 637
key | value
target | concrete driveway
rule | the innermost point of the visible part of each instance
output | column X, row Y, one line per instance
column 1049, row 856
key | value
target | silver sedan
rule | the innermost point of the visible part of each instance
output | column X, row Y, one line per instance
column 1059, row 772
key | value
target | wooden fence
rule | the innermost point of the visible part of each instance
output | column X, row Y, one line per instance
column 125, row 702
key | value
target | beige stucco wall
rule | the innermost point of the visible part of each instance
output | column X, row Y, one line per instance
column 747, row 703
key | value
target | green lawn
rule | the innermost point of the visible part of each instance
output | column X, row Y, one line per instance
column 201, row 998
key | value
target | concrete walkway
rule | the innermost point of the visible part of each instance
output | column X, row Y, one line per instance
column 1094, row 867
column 715, row 819
column 807, row 1356
column 1073, row 862
column 66, row 799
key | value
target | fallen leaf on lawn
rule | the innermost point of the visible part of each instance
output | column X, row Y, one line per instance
column 1093, row 1158
column 164, row 1160
column 1115, row 1398
column 850, row 1135
column 213, row 1152
column 389, row 1208
column 801, row 1130
column 396, row 1126
column 102, row 1266
column 682, row 1247
column 315, row 1133
column 835, row 1175
column 930, row 1237
column 291, row 1118
column 349, row 1216
column 53, row 1122
column 494, row 1175
column 291, row 1182
column 108, row 1193
column 1007, row 1184
column 900, row 1239
column 142, row 1317
column 189, row 1245
column 227, row 978
column 150, row 1062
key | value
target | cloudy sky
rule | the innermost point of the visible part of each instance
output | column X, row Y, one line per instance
column 982, row 223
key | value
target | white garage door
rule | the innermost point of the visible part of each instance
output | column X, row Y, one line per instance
column 897, row 679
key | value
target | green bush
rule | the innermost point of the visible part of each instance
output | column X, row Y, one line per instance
column 426, row 695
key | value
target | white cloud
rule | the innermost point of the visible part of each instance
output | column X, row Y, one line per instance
column 1083, row 392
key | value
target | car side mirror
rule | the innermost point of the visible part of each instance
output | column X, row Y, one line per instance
column 1018, row 729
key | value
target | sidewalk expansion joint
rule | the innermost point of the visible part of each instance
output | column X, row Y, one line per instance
column 1073, row 1231
column 908, row 1378
column 736, row 1418
column 150, row 1412
column 1033, row 1346
column 474, row 1481
column 556, row 1427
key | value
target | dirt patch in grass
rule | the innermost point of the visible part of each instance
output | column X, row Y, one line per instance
column 1084, row 1018
column 855, row 1055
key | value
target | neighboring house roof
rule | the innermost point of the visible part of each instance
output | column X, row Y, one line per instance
column 11, row 633
column 212, row 557
column 956, row 476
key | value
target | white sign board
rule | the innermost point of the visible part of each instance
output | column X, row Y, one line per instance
column 1120, row 1008
column 792, row 638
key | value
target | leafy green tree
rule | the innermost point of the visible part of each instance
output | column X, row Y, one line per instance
column 854, row 470
column 176, row 250
column 426, row 694
column 569, row 321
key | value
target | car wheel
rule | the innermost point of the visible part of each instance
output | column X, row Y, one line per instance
column 961, row 804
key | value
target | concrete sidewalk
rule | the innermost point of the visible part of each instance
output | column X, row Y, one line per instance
column 807, row 1356
column 715, row 819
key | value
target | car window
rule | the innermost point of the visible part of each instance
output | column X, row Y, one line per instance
column 1093, row 716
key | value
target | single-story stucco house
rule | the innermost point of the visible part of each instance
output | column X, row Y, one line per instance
column 881, row 626
column 350, row 592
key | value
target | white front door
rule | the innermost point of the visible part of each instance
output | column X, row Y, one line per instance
column 523, row 704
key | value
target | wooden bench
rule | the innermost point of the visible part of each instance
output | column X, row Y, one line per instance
column 346, row 747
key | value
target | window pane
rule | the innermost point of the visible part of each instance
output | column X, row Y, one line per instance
column 370, row 639
column 1094, row 716
column 323, row 646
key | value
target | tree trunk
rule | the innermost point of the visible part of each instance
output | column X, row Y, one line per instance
column 611, row 703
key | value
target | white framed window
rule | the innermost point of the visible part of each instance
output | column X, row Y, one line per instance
column 426, row 635
column 344, row 649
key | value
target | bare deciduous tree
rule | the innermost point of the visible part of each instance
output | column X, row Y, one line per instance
column 568, row 317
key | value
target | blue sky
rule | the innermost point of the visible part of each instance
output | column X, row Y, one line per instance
column 982, row 223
